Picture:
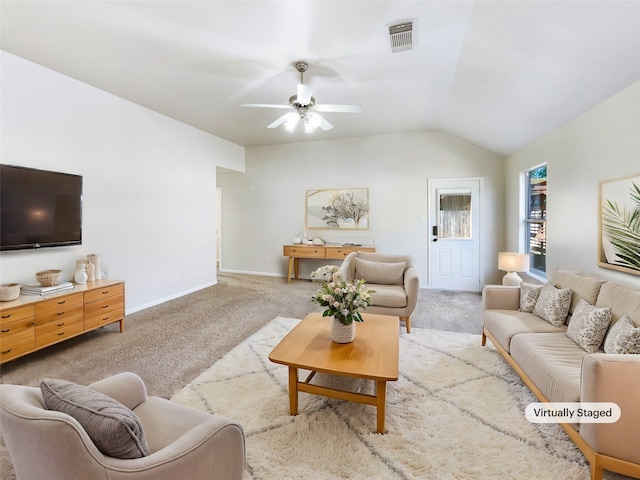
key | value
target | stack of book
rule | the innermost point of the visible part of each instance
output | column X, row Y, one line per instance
column 37, row 289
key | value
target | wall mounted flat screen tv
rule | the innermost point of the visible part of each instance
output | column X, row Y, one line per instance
column 39, row 208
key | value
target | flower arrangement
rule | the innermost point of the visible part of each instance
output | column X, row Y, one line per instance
column 344, row 300
column 324, row 274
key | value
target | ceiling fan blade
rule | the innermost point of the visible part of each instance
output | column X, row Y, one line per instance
column 278, row 122
column 323, row 124
column 290, row 120
column 338, row 108
column 304, row 94
column 265, row 105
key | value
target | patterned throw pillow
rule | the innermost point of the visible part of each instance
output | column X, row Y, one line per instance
column 589, row 325
column 553, row 304
column 529, row 294
column 113, row 428
column 624, row 337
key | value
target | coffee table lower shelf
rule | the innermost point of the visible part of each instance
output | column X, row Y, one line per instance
column 373, row 355
column 379, row 400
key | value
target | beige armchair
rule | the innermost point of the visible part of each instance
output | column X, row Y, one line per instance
column 394, row 278
column 183, row 442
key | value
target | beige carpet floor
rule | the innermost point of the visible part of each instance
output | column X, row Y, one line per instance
column 171, row 344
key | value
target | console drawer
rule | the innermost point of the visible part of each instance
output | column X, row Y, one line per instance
column 20, row 342
column 104, row 292
column 311, row 252
column 58, row 303
column 16, row 313
column 53, row 332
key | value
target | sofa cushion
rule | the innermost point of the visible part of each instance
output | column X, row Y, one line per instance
column 504, row 324
column 623, row 337
column 529, row 294
column 553, row 304
column 388, row 296
column 622, row 300
column 114, row 429
column 381, row 273
column 552, row 361
column 589, row 325
column 582, row 287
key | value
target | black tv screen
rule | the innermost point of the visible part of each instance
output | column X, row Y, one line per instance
column 39, row 208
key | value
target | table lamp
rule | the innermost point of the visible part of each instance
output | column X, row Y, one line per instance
column 512, row 262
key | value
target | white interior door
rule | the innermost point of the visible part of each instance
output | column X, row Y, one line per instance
column 454, row 234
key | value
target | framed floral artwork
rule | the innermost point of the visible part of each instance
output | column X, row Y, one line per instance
column 338, row 208
column 619, row 224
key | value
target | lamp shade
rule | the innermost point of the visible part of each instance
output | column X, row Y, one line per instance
column 513, row 262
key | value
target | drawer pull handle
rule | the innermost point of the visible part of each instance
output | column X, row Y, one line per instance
column 105, row 319
column 62, row 302
column 61, row 324
column 6, row 351
column 105, row 292
column 60, row 334
column 6, row 316
column 60, row 313
column 105, row 306
column 7, row 330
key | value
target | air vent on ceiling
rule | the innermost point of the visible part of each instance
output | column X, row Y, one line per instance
column 401, row 35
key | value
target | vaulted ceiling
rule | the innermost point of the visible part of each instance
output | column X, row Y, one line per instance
column 495, row 73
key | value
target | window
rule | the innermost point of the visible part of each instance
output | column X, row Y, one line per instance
column 536, row 221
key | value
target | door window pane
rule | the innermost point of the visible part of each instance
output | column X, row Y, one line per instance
column 455, row 216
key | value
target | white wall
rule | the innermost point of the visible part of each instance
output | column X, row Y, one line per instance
column 264, row 208
column 149, row 201
column 601, row 144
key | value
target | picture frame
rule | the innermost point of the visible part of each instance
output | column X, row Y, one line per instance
column 338, row 208
column 619, row 224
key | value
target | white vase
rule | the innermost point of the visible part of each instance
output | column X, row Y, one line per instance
column 95, row 260
column 341, row 333
column 80, row 277
column 91, row 272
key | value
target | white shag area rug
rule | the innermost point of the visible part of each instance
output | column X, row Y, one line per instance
column 456, row 412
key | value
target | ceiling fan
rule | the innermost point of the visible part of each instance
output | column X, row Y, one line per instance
column 305, row 108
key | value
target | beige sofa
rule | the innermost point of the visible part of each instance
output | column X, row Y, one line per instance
column 393, row 279
column 556, row 369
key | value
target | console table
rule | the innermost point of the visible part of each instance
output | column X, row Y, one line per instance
column 33, row 322
column 330, row 252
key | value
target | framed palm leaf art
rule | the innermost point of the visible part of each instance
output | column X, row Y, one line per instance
column 619, row 224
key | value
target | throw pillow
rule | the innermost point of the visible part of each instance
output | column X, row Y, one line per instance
column 553, row 304
column 529, row 294
column 589, row 325
column 381, row 273
column 624, row 337
column 114, row 429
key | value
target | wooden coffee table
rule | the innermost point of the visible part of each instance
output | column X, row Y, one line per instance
column 373, row 355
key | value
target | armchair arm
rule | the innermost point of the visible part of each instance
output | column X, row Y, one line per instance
column 498, row 297
column 127, row 388
column 348, row 267
column 612, row 378
column 411, row 287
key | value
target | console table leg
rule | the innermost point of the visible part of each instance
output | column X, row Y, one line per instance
column 290, row 268
column 296, row 262
column 293, row 391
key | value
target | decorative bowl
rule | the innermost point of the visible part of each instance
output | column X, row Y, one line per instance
column 49, row 278
column 9, row 291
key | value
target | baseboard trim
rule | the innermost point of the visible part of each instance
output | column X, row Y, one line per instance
column 158, row 301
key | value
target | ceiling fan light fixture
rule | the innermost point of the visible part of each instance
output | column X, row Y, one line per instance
column 402, row 36
column 291, row 121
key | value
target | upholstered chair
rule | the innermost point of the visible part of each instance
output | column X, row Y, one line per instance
column 394, row 279
column 182, row 442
